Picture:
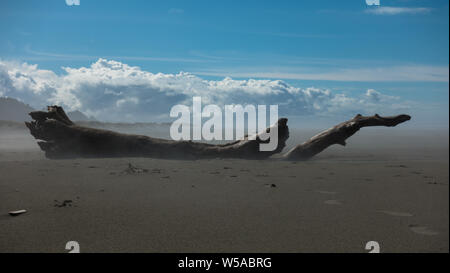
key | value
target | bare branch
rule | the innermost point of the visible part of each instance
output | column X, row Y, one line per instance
column 339, row 133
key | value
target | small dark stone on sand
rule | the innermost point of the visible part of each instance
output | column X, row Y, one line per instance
column 65, row 203
column 134, row 170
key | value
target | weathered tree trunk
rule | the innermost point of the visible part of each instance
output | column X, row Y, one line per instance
column 61, row 138
column 339, row 133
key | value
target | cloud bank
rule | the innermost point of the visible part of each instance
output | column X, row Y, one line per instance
column 384, row 10
column 381, row 74
column 113, row 91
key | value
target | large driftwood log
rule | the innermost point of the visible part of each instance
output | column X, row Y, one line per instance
column 339, row 133
column 61, row 138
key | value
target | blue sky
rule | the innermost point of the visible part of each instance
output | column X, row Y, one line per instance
column 398, row 49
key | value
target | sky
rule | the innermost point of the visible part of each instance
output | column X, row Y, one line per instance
column 320, row 61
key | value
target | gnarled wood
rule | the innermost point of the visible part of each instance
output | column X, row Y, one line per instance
column 339, row 133
column 61, row 138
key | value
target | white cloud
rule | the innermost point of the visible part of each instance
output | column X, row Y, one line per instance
column 411, row 73
column 293, row 69
column 385, row 10
column 127, row 101
column 114, row 91
column 375, row 96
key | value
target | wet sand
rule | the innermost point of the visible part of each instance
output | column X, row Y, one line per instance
column 337, row 202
